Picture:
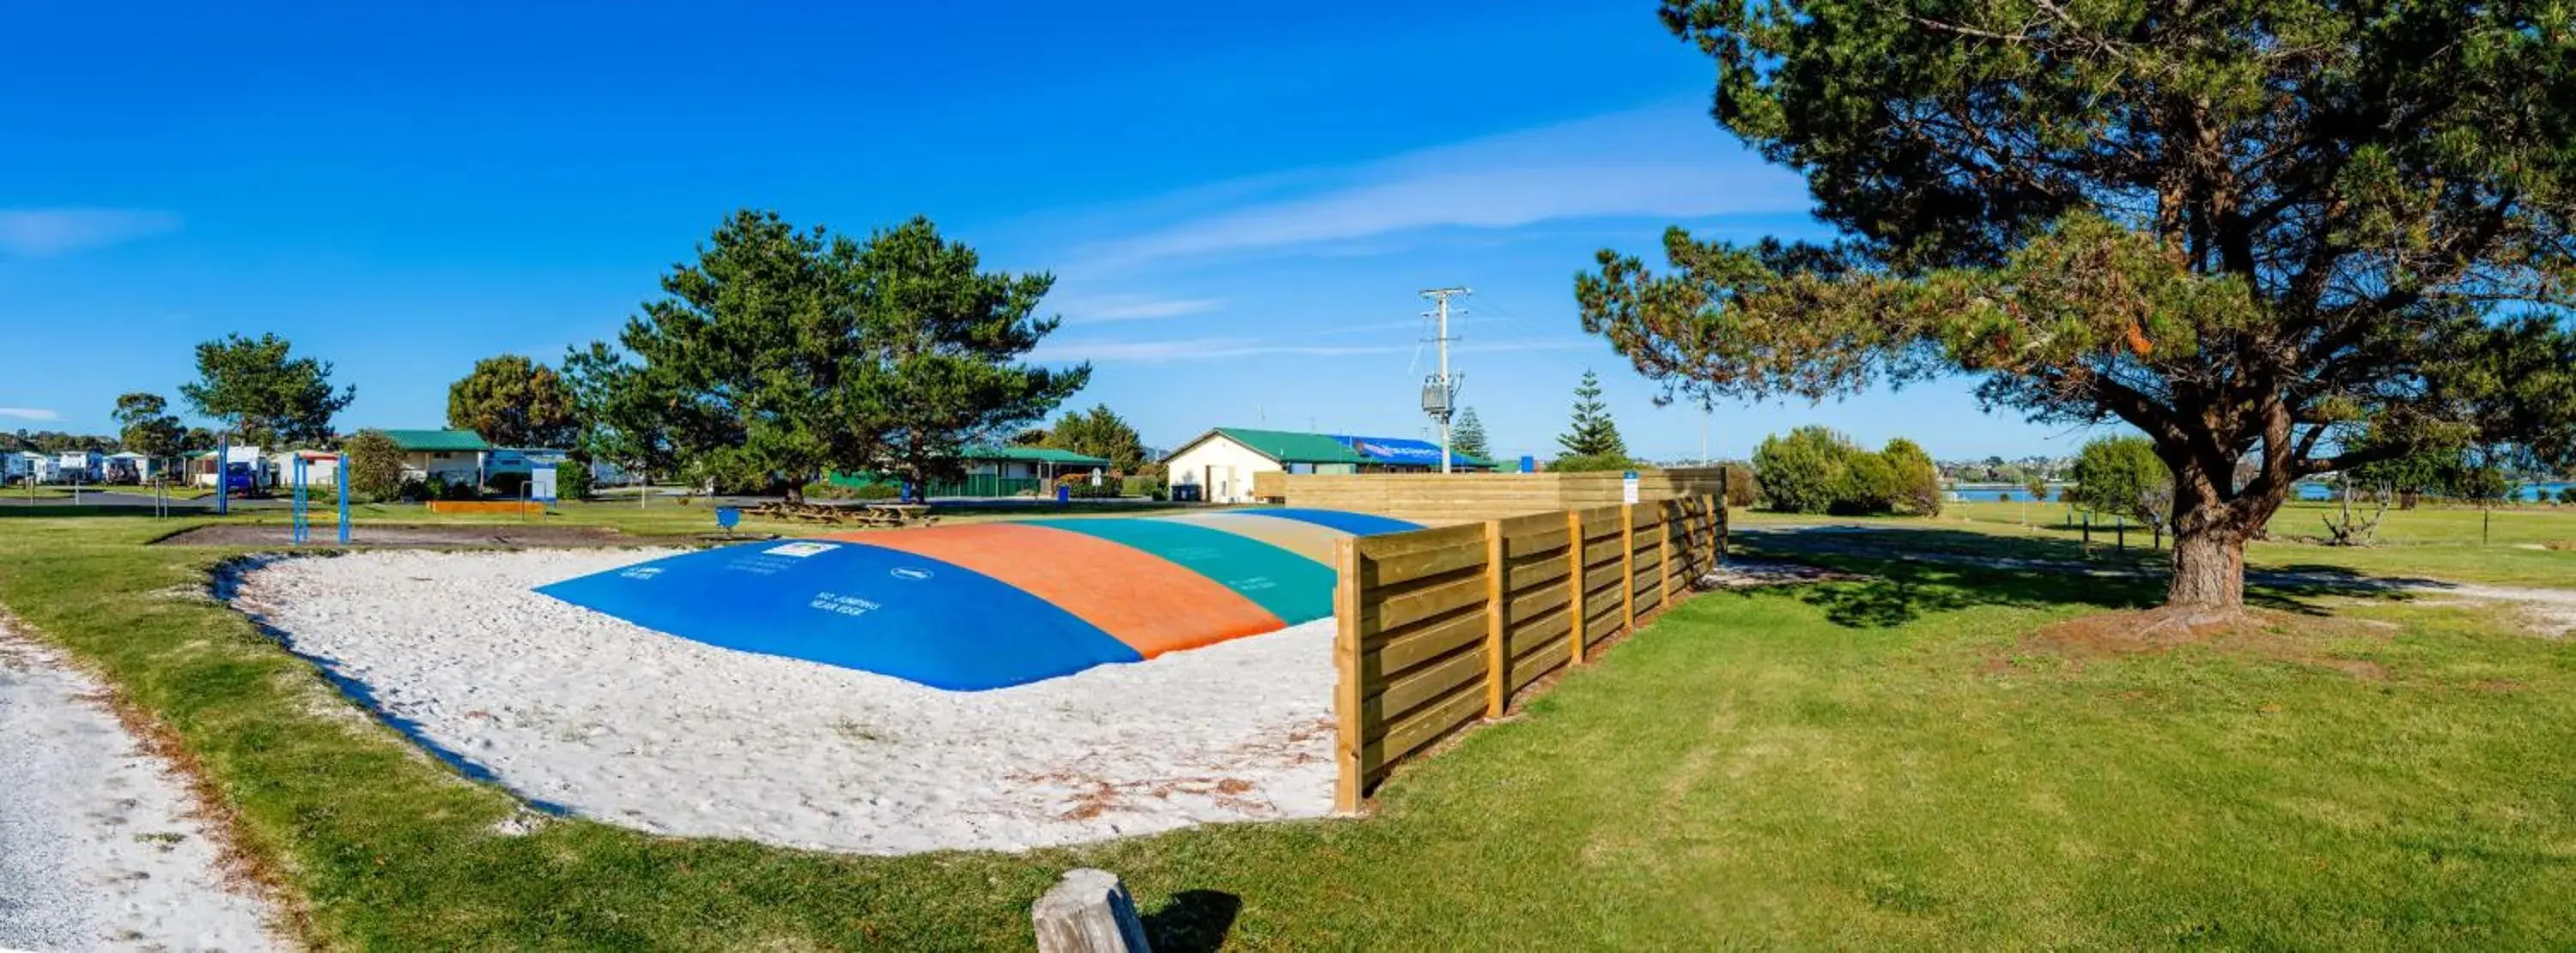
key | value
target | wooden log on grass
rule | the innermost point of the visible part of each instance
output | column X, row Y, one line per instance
column 1089, row 911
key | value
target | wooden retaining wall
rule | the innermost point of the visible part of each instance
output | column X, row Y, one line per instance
column 1478, row 496
column 1442, row 628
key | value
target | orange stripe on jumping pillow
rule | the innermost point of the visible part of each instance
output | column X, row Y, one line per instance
column 1151, row 603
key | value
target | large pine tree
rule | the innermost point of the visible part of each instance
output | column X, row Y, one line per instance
column 1592, row 433
column 1468, row 437
column 780, row 354
column 2252, row 229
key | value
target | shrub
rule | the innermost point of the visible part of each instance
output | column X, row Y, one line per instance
column 1141, row 486
column 509, row 486
column 572, row 480
column 1805, row 471
column 1816, row 470
column 1917, row 480
column 2567, row 495
column 375, row 465
column 1594, row 463
column 1741, row 491
column 460, row 490
column 875, row 491
column 1867, row 486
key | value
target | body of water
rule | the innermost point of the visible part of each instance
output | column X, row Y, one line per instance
column 2528, row 493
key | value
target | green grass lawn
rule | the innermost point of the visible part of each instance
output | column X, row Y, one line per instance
column 1889, row 763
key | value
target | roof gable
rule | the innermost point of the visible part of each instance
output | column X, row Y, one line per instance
column 436, row 441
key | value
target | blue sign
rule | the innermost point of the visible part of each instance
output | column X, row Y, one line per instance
column 727, row 517
column 1529, row 464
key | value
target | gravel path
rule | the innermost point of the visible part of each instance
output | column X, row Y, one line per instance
column 581, row 712
column 100, row 845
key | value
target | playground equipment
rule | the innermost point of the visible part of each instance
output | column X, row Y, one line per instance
column 991, row 605
column 301, row 520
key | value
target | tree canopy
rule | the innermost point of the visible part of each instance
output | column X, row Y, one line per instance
column 263, row 394
column 515, row 402
column 145, row 426
column 1592, row 433
column 2122, row 476
column 2248, row 229
column 1098, row 432
column 782, row 353
column 1468, row 437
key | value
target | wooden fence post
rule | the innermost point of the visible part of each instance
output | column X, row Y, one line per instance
column 1712, row 517
column 1664, row 556
column 1574, row 556
column 1498, row 667
column 1349, row 773
column 1628, row 565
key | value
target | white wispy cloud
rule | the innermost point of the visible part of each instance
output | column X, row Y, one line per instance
column 30, row 413
column 39, row 232
column 1223, row 348
column 1664, row 161
column 1097, row 309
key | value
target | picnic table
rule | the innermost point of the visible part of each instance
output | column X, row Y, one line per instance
column 863, row 514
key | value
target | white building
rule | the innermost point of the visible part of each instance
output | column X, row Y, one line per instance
column 449, row 456
column 28, row 463
column 321, row 468
column 1218, row 466
column 132, row 467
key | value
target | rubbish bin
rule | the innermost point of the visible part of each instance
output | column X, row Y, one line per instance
column 1063, row 493
column 1185, row 493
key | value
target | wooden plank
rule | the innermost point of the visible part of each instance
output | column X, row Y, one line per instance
column 1532, row 603
column 1544, row 659
column 1421, row 564
column 1520, row 530
column 1518, row 639
column 1402, row 695
column 1421, row 540
column 1523, row 572
column 1392, row 614
column 1417, row 731
column 1495, row 669
column 1385, row 658
column 1348, row 772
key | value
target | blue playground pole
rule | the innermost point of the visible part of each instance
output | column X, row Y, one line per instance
column 341, row 469
column 223, row 474
column 302, row 531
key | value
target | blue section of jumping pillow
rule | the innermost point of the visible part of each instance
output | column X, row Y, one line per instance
column 1356, row 524
column 852, row 605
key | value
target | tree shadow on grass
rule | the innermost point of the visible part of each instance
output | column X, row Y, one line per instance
column 1194, row 921
column 1915, row 572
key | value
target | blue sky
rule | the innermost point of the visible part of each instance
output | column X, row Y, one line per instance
column 1239, row 204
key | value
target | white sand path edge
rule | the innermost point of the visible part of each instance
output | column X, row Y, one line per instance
column 102, row 842
column 581, row 712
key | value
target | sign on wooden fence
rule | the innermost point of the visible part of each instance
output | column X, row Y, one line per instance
column 1441, row 628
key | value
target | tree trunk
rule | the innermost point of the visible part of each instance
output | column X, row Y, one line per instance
column 2208, row 568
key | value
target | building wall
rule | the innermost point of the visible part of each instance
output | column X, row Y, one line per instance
column 451, row 466
column 1222, row 468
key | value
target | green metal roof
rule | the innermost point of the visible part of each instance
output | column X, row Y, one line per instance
column 1033, row 455
column 1288, row 446
column 437, row 441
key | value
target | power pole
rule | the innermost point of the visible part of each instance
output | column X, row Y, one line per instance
column 1440, row 393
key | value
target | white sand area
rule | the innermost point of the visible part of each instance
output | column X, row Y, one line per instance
column 580, row 712
column 102, row 846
